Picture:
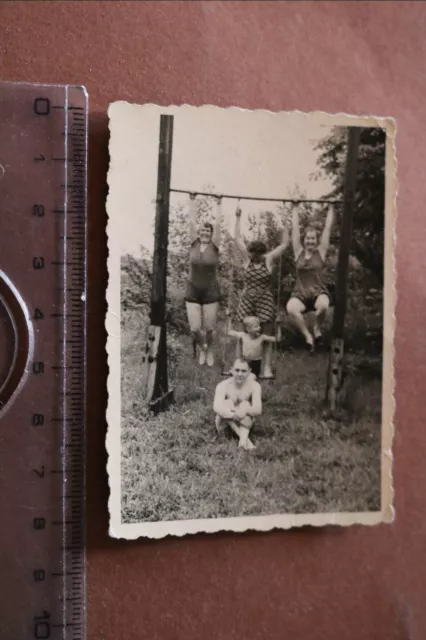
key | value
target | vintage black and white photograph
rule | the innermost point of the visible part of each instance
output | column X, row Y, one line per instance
column 250, row 319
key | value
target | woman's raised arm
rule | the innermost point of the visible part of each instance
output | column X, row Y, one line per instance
column 193, row 233
column 295, row 232
column 275, row 253
column 325, row 237
column 218, row 222
column 239, row 240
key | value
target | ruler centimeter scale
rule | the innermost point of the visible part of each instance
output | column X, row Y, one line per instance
column 43, row 230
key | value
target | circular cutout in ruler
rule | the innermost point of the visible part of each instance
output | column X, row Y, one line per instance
column 43, row 224
column 8, row 347
column 16, row 343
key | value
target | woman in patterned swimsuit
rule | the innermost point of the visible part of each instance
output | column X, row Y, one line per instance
column 257, row 298
column 310, row 291
column 202, row 290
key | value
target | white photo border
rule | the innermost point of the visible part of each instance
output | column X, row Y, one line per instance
column 118, row 111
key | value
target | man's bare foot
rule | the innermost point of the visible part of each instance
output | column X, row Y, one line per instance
column 247, row 445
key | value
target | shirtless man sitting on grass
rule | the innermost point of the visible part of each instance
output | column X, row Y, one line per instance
column 237, row 401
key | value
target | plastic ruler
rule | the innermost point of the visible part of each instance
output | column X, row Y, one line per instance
column 43, row 230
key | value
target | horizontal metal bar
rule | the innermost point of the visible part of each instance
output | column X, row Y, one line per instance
column 234, row 197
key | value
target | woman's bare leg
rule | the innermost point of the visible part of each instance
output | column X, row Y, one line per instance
column 194, row 313
column 210, row 318
column 321, row 305
column 295, row 309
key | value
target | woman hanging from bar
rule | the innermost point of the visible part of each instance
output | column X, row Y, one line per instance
column 310, row 291
column 257, row 299
column 202, row 291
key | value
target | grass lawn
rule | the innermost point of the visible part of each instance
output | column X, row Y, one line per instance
column 175, row 466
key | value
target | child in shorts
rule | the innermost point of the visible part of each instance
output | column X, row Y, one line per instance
column 251, row 342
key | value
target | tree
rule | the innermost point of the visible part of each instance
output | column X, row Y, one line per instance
column 136, row 279
column 368, row 222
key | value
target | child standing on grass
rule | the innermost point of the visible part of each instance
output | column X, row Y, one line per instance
column 251, row 342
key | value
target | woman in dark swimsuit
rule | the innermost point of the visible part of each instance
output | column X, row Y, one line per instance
column 257, row 298
column 310, row 291
column 202, row 291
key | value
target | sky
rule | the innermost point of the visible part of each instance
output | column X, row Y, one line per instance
column 230, row 150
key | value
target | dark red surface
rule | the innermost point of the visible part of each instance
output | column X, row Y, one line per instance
column 356, row 57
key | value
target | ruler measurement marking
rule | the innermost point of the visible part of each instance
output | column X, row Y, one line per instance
column 68, row 107
column 63, row 315
column 70, row 548
column 77, row 197
column 64, row 355
column 81, row 211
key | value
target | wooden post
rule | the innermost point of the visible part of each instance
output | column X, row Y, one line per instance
column 335, row 370
column 158, row 395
